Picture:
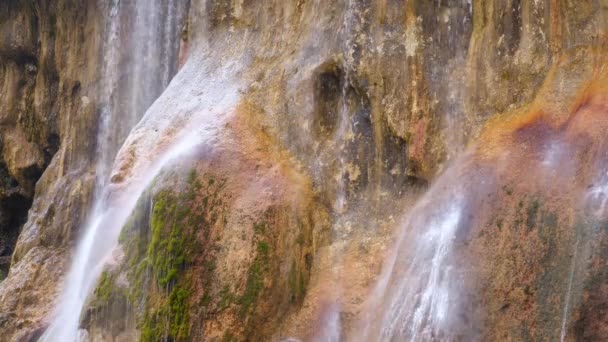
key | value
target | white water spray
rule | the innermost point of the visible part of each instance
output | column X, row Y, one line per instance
column 595, row 203
column 101, row 238
column 415, row 294
column 597, row 198
column 331, row 330
column 152, row 33
column 421, row 304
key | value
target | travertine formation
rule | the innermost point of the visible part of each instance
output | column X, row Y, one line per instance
column 339, row 114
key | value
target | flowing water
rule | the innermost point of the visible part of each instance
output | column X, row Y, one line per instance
column 416, row 296
column 595, row 202
column 419, row 286
column 597, row 198
column 140, row 53
column 101, row 237
column 418, row 291
column 565, row 314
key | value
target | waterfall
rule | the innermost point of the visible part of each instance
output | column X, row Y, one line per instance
column 142, row 51
column 331, row 328
column 139, row 60
column 101, row 237
column 417, row 293
column 421, row 295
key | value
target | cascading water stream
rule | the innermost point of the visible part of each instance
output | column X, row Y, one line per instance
column 139, row 60
column 417, row 292
column 344, row 130
column 152, row 33
column 418, row 289
column 111, row 75
column 101, row 238
column 597, row 198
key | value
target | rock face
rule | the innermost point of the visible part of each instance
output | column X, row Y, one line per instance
column 47, row 56
column 221, row 252
column 52, row 56
column 524, row 212
column 338, row 115
column 48, row 64
column 543, row 247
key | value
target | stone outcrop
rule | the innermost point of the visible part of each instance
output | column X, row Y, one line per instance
column 49, row 56
column 365, row 100
column 540, row 241
column 52, row 56
column 220, row 247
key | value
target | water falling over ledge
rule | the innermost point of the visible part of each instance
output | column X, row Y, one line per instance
column 143, row 51
column 156, row 142
column 419, row 294
column 101, row 238
column 404, row 67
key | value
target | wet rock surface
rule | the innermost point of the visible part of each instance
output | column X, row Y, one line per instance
column 333, row 117
column 248, row 228
column 48, row 57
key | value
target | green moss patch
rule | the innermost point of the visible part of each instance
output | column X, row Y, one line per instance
column 255, row 278
column 104, row 287
column 166, row 237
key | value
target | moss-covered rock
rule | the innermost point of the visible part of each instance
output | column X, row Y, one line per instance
column 162, row 241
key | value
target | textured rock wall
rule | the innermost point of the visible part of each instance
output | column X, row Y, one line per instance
column 538, row 243
column 220, row 252
column 49, row 57
column 48, row 53
column 419, row 79
column 417, row 82
column 397, row 88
